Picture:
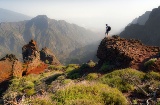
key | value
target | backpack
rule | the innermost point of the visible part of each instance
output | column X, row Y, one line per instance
column 109, row 28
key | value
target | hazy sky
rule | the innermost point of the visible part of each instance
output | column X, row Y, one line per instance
column 92, row 14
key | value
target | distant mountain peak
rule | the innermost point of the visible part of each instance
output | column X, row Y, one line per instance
column 42, row 16
column 11, row 16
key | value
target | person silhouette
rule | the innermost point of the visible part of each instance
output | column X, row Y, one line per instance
column 108, row 28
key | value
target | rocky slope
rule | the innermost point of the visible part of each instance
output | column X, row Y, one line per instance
column 59, row 36
column 149, row 33
column 122, row 53
column 10, row 67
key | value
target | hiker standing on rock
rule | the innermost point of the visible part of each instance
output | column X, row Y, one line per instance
column 108, row 28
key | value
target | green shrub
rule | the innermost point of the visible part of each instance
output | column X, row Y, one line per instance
column 150, row 62
column 28, row 85
column 40, row 101
column 95, row 93
column 69, row 69
column 30, row 92
column 91, row 63
column 74, row 76
column 46, row 61
column 121, row 79
column 84, row 66
column 73, row 65
column 51, row 67
column 105, row 67
column 152, row 75
column 91, row 76
column 66, row 81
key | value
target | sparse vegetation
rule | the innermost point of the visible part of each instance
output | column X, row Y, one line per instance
column 120, row 79
column 86, row 93
column 106, row 67
column 91, row 76
column 74, row 84
column 150, row 62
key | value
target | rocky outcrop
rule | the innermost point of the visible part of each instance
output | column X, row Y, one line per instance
column 30, row 52
column 48, row 57
column 10, row 67
column 122, row 53
column 31, row 58
column 36, row 61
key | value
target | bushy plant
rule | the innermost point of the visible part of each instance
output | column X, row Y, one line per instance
column 78, row 73
column 41, row 100
column 122, row 79
column 152, row 75
column 150, row 62
column 91, row 76
column 51, row 67
column 95, row 93
column 106, row 66
column 69, row 69
column 91, row 63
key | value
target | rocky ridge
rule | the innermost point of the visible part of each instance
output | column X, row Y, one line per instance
column 33, row 62
column 123, row 53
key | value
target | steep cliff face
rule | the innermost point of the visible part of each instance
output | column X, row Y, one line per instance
column 122, row 53
column 149, row 33
column 10, row 67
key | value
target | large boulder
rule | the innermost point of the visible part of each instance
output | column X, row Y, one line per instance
column 47, row 56
column 123, row 53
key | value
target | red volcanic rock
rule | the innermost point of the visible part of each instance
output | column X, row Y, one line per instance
column 10, row 67
column 31, row 57
column 123, row 53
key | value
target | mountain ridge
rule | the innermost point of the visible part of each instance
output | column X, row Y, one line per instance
column 148, row 33
column 58, row 35
column 11, row 16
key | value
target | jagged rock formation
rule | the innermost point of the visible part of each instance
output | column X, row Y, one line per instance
column 35, row 60
column 30, row 52
column 122, row 53
column 149, row 33
column 31, row 58
column 47, row 56
column 10, row 67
